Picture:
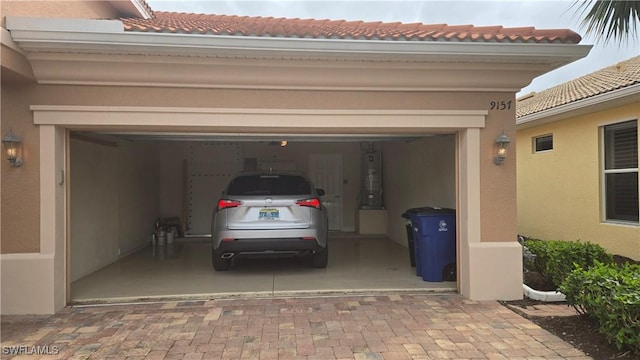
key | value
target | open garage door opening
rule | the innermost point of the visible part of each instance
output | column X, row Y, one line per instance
column 141, row 206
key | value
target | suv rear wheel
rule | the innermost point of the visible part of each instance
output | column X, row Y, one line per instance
column 320, row 258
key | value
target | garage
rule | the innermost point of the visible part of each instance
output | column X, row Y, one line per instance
column 125, row 162
column 125, row 121
column 122, row 182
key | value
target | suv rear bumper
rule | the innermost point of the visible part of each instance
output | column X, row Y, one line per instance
column 269, row 245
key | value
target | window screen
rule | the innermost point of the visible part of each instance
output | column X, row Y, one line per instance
column 621, row 171
column 543, row 143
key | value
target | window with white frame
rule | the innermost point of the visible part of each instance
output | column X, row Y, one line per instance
column 543, row 143
column 621, row 171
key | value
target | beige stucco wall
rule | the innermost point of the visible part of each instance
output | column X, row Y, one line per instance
column 20, row 187
column 57, row 9
column 559, row 191
column 498, row 208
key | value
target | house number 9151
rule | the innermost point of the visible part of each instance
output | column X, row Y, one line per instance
column 501, row 105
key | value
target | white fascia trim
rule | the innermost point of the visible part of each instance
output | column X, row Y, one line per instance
column 62, row 25
column 128, row 116
column 6, row 40
column 142, row 9
column 69, row 35
column 186, row 110
column 559, row 111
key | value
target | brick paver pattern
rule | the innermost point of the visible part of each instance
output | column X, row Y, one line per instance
column 382, row 326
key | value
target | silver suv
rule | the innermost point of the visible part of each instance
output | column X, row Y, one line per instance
column 269, row 213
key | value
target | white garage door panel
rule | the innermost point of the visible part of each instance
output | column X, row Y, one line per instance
column 210, row 167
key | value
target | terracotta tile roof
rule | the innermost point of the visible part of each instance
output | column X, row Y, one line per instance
column 620, row 75
column 171, row 22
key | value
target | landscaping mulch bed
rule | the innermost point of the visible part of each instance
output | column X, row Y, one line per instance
column 578, row 330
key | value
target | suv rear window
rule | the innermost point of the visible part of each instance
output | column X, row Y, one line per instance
column 269, row 185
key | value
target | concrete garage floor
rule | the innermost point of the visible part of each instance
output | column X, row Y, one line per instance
column 356, row 263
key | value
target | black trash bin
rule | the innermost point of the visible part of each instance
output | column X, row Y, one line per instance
column 414, row 246
column 434, row 237
column 412, row 250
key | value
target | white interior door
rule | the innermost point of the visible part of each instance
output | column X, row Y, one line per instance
column 325, row 170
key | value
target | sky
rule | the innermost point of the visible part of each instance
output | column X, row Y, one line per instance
column 542, row 14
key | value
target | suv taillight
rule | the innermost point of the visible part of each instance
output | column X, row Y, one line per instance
column 314, row 203
column 224, row 204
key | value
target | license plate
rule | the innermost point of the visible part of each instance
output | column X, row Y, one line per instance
column 269, row 214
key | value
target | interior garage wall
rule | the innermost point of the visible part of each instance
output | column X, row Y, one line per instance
column 138, row 189
column 114, row 201
column 172, row 154
column 416, row 174
column 295, row 156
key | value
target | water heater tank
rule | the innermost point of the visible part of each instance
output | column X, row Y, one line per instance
column 372, row 180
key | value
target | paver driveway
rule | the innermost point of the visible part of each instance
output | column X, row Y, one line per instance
column 381, row 326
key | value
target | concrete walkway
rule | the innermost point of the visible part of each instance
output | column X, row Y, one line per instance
column 382, row 326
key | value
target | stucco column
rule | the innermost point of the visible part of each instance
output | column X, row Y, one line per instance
column 53, row 210
column 489, row 270
column 468, row 202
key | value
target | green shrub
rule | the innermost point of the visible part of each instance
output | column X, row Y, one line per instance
column 611, row 294
column 555, row 259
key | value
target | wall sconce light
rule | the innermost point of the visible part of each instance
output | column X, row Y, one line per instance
column 283, row 143
column 12, row 147
column 502, row 142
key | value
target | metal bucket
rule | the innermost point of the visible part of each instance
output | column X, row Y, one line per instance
column 162, row 238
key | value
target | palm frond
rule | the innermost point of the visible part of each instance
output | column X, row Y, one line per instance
column 610, row 20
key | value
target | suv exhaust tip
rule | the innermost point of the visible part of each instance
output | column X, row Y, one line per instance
column 227, row 255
